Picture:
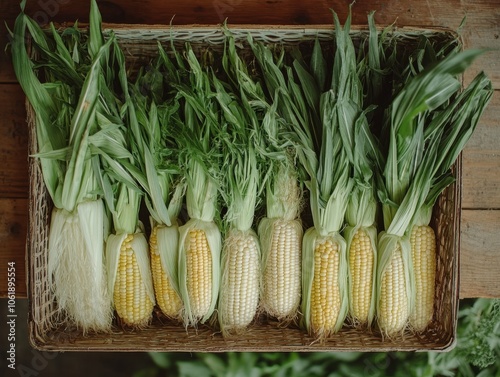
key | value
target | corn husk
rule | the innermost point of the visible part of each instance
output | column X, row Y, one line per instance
column 78, row 237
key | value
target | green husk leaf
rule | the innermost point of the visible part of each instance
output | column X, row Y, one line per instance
column 319, row 66
column 168, row 248
column 49, row 136
column 96, row 38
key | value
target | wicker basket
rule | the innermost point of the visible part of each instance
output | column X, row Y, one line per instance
column 264, row 335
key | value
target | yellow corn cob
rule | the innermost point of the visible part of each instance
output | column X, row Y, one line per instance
column 423, row 254
column 282, row 269
column 199, row 272
column 325, row 292
column 393, row 309
column 167, row 298
column 239, row 291
column 361, row 258
column 132, row 302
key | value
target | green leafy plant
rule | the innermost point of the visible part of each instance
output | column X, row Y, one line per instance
column 477, row 353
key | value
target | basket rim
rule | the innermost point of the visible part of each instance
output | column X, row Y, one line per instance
column 311, row 30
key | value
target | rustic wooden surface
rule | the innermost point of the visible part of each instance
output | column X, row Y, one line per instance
column 480, row 236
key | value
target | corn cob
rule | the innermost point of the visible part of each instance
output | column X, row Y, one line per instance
column 393, row 301
column 199, row 259
column 324, row 277
column 165, row 284
column 362, row 259
column 281, row 244
column 325, row 293
column 199, row 272
column 395, row 285
column 240, row 283
column 241, row 267
column 423, row 253
column 280, row 235
column 130, row 278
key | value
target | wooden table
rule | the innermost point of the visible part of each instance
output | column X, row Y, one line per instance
column 480, row 235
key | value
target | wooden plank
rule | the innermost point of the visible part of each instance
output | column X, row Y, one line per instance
column 480, row 178
column 482, row 28
column 13, row 227
column 6, row 70
column 480, row 254
column 14, row 143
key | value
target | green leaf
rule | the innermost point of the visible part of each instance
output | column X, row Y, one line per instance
column 193, row 368
column 318, row 66
column 161, row 359
column 96, row 39
column 308, row 86
column 155, row 189
column 214, row 363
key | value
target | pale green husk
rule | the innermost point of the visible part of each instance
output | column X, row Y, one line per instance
column 330, row 182
column 419, row 141
column 76, row 265
column 363, row 153
column 201, row 193
column 67, row 110
column 167, row 239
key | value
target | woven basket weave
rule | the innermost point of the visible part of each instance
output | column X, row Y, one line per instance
column 140, row 43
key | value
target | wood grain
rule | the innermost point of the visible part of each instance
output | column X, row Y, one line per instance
column 482, row 28
column 481, row 161
column 13, row 227
column 14, row 143
column 480, row 254
column 6, row 70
